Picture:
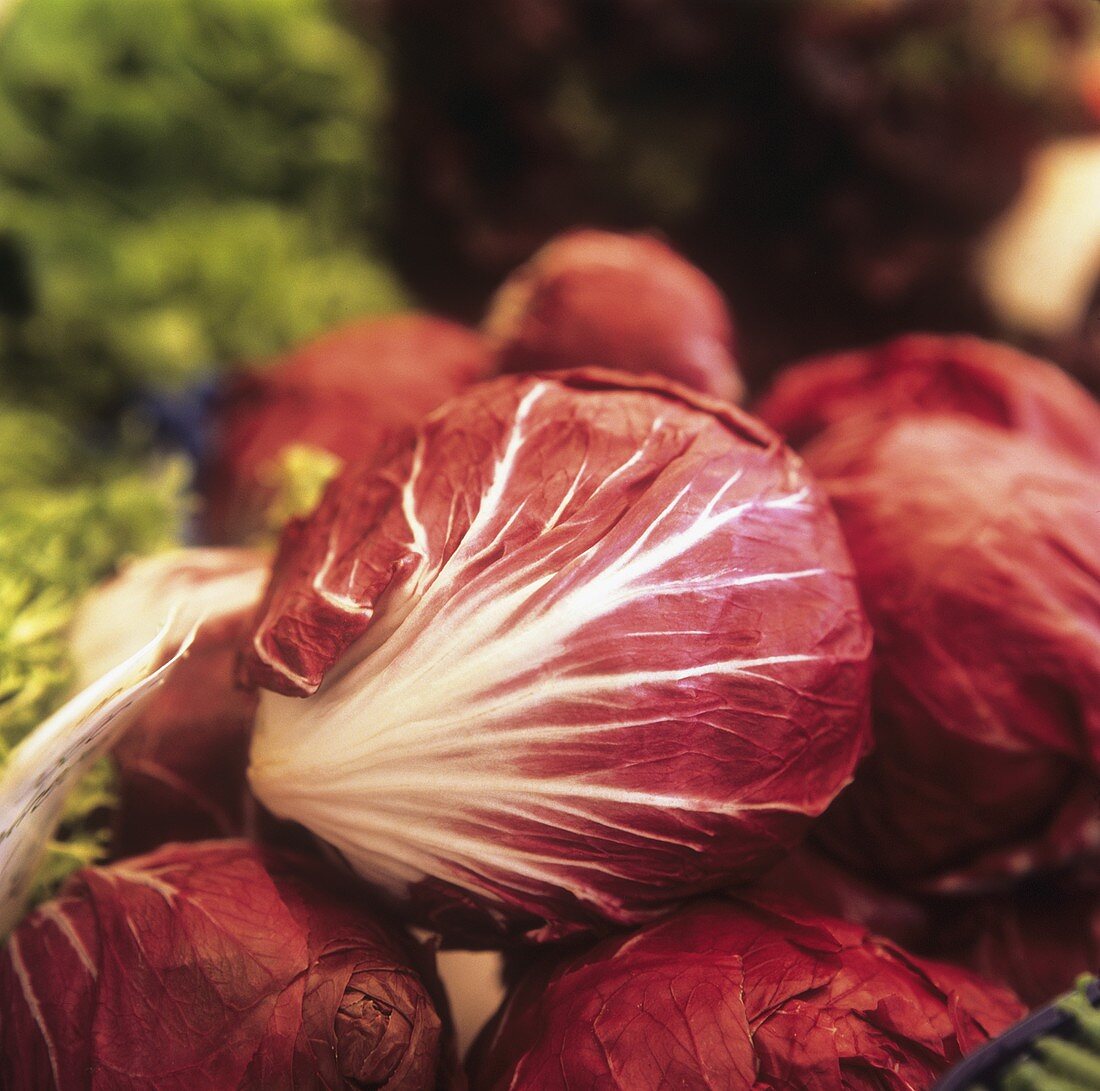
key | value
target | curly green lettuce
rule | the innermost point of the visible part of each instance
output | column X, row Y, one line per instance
column 181, row 192
column 67, row 517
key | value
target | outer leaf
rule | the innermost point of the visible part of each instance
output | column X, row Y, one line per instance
column 181, row 764
column 741, row 994
column 590, row 646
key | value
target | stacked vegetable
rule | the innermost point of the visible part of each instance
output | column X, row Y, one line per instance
column 759, row 751
column 568, row 663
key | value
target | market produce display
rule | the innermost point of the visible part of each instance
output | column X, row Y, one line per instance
column 345, row 625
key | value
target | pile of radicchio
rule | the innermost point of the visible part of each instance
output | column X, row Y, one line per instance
column 575, row 663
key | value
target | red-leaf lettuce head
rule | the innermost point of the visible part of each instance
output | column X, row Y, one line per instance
column 759, row 995
column 588, row 646
column 978, row 563
column 215, row 965
column 622, row 301
column 927, row 374
column 350, row 393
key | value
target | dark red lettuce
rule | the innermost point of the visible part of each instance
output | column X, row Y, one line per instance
column 215, row 965
column 349, row 392
column 745, row 994
column 627, row 302
column 925, row 374
column 590, row 645
column 978, row 562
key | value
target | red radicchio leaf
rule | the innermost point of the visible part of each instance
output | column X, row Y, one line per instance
column 591, row 646
column 622, row 301
column 214, row 965
column 924, row 374
column 181, row 764
column 739, row 994
column 978, row 560
column 350, row 392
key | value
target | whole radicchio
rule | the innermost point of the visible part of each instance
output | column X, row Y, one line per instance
column 759, row 995
column 348, row 393
column 588, row 646
column 978, row 563
column 215, row 965
column 927, row 374
column 181, row 763
column 622, row 301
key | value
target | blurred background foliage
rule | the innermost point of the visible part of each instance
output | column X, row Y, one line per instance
column 832, row 164
column 182, row 185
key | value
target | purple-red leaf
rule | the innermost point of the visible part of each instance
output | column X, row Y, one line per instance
column 978, row 554
column 350, row 392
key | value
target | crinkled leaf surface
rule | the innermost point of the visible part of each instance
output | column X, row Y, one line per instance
column 978, row 554
column 752, row 995
column 588, row 646
column 214, row 965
